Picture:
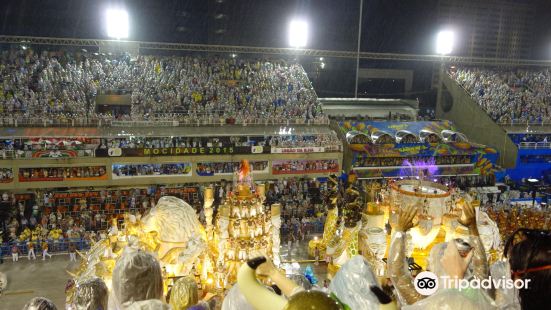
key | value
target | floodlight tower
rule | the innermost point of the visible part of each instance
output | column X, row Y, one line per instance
column 445, row 41
column 116, row 22
column 298, row 33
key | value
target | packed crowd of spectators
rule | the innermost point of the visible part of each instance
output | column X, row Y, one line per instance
column 509, row 95
column 151, row 169
column 212, row 168
column 305, row 166
column 64, row 85
column 302, row 210
column 56, row 217
column 304, row 141
column 6, row 175
column 60, row 173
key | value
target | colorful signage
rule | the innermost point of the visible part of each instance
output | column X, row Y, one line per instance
column 297, row 150
column 178, row 151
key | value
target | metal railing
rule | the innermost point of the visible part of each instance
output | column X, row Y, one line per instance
column 535, row 145
column 524, row 123
column 16, row 121
column 183, row 120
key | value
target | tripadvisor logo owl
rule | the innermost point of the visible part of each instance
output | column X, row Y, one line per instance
column 426, row 283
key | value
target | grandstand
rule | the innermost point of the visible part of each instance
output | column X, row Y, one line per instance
column 93, row 132
column 74, row 119
column 516, row 101
column 66, row 87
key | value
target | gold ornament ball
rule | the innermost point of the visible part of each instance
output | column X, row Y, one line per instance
column 312, row 300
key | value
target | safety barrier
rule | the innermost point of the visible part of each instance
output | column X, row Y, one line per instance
column 535, row 145
column 173, row 120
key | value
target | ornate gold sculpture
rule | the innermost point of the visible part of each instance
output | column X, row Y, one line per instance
column 243, row 229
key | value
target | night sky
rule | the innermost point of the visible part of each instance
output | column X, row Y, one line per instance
column 390, row 26
column 399, row 26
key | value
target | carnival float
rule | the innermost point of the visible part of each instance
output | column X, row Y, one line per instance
column 243, row 228
column 361, row 220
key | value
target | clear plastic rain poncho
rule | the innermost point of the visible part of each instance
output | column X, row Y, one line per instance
column 506, row 299
column 301, row 280
column 402, row 279
column 352, row 284
column 3, row 282
column 40, row 303
column 136, row 277
column 453, row 299
column 235, row 300
column 91, row 294
column 152, row 304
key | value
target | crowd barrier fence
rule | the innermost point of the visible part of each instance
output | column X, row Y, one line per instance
column 183, row 120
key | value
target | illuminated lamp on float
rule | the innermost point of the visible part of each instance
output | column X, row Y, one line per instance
column 430, row 198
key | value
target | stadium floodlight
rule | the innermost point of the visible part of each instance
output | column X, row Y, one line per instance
column 117, row 23
column 298, row 33
column 445, row 41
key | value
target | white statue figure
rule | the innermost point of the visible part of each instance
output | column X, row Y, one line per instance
column 252, row 212
column 242, row 250
column 236, row 228
column 236, row 212
column 230, row 250
column 259, row 227
column 267, row 225
column 223, row 225
column 172, row 223
column 244, row 211
column 252, row 228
